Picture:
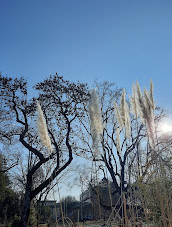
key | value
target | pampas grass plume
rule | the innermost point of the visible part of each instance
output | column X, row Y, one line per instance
column 125, row 115
column 95, row 121
column 118, row 141
column 118, row 115
column 134, row 102
column 151, row 95
column 42, row 129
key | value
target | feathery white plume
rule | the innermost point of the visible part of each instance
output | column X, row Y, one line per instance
column 150, row 117
column 118, row 141
column 151, row 95
column 95, row 121
column 146, row 111
column 127, row 122
column 141, row 106
column 134, row 102
column 42, row 129
column 147, row 101
column 118, row 115
column 124, row 109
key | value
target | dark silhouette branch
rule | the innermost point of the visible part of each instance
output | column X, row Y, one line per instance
column 57, row 170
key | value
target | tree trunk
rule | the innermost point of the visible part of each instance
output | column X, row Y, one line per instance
column 26, row 203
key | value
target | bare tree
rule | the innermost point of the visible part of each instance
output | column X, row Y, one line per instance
column 61, row 104
column 124, row 136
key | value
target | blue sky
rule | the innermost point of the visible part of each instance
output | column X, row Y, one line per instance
column 121, row 41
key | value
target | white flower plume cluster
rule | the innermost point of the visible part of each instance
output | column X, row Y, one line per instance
column 123, row 115
column 151, row 95
column 134, row 102
column 42, row 129
column 95, row 121
column 118, row 116
column 143, row 106
column 118, row 141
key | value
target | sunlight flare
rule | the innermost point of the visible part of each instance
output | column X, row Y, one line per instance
column 166, row 127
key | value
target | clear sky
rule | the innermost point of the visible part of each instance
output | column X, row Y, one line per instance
column 116, row 40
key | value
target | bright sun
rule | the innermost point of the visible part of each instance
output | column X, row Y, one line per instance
column 166, row 127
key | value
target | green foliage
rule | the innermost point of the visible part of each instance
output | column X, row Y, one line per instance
column 44, row 213
column 9, row 200
column 4, row 181
column 32, row 222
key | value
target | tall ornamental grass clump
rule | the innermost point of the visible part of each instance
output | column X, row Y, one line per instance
column 126, row 141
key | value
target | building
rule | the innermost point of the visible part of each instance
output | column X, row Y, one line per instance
column 96, row 200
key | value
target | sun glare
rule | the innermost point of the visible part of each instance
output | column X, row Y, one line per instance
column 166, row 127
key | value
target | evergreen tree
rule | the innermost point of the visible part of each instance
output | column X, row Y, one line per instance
column 9, row 200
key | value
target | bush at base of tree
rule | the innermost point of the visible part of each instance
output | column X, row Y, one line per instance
column 9, row 200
